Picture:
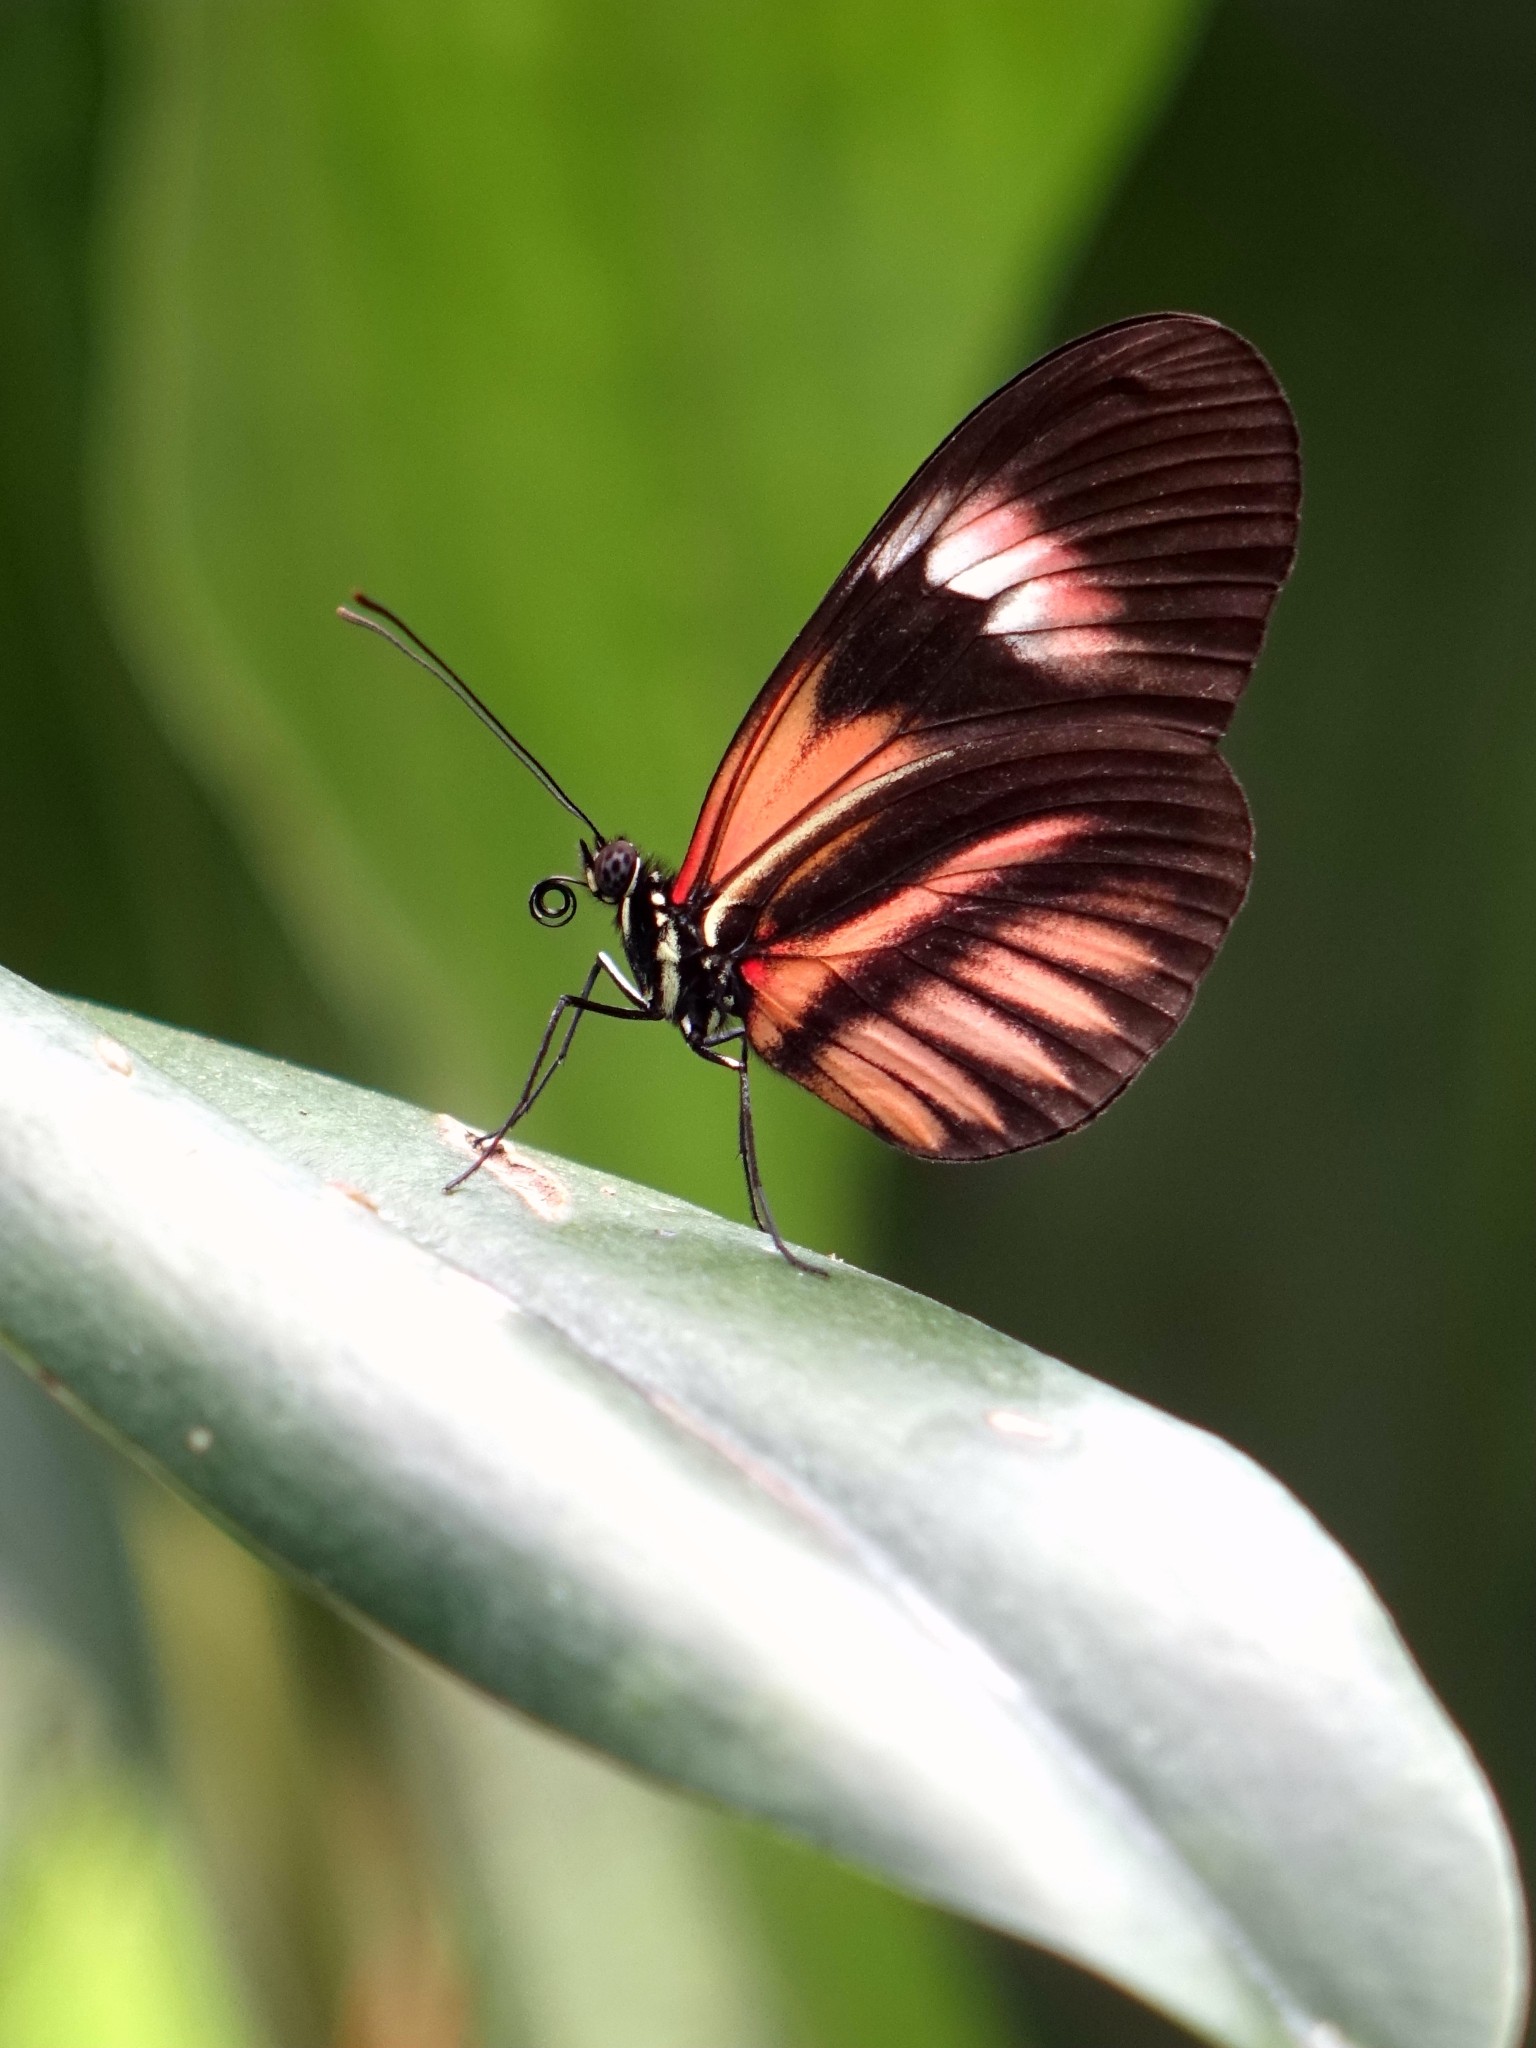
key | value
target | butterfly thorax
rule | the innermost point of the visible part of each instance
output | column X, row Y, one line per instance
column 687, row 982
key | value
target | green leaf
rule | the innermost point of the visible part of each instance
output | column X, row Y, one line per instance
column 811, row 1545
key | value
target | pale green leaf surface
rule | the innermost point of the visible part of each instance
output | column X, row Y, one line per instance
column 593, row 339
column 814, row 1546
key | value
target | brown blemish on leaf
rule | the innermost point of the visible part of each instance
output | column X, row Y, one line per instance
column 535, row 1186
column 117, row 1059
column 1022, row 1428
column 354, row 1194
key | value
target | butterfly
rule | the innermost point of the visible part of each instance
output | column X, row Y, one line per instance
column 973, row 847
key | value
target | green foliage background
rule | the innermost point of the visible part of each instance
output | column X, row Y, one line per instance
column 594, row 338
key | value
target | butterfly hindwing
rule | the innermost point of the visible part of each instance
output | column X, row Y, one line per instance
column 973, row 846
column 1005, row 991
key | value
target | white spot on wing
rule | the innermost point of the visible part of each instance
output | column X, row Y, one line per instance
column 1062, row 643
column 990, row 530
column 1051, row 604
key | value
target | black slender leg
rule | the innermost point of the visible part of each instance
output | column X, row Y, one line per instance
column 576, row 1007
column 736, row 1035
column 762, row 1215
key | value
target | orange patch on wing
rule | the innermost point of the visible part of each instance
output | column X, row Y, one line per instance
column 747, row 740
column 784, row 991
column 889, row 1076
column 882, row 1102
column 797, row 765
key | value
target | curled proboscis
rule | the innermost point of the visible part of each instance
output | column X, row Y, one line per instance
column 553, row 901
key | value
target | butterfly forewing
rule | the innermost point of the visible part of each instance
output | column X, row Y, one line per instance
column 973, row 844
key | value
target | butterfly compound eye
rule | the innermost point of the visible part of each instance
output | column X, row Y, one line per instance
column 613, row 870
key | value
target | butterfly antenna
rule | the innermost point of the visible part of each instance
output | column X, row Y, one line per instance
column 378, row 618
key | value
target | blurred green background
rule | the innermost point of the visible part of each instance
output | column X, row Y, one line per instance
column 593, row 338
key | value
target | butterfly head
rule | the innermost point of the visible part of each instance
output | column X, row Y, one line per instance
column 610, row 872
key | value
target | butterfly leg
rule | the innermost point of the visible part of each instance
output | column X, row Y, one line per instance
column 762, row 1215
column 710, row 1049
column 572, row 1008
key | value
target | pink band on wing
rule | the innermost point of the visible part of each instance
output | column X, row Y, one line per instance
column 885, row 1043
column 1007, row 978
column 881, row 1100
column 972, row 1025
column 1037, row 839
column 1085, row 945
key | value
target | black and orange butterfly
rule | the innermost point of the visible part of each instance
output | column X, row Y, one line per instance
column 973, row 846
